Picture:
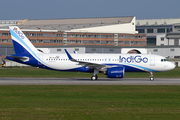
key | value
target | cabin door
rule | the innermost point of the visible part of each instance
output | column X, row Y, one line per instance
column 152, row 60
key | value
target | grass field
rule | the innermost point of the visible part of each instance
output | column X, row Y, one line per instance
column 64, row 102
column 90, row 102
column 35, row 72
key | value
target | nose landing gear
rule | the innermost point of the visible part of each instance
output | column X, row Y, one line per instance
column 151, row 76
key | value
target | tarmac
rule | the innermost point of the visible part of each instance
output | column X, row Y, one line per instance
column 88, row 81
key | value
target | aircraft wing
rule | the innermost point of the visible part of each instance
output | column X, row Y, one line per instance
column 88, row 64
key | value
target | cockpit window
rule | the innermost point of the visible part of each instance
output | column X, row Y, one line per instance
column 163, row 60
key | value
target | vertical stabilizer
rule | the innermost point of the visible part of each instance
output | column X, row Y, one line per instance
column 21, row 43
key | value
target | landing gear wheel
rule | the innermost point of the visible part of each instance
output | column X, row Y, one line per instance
column 151, row 78
column 94, row 77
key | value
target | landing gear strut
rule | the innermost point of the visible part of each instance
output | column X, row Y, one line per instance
column 151, row 76
column 95, row 77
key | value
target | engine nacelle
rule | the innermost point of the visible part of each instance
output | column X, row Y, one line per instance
column 115, row 72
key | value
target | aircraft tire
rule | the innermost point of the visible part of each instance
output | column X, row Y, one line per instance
column 151, row 78
column 94, row 77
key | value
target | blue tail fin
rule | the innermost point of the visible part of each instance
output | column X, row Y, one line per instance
column 21, row 43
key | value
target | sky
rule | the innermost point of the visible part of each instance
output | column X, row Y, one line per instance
column 61, row 9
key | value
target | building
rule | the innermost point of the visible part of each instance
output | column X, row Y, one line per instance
column 158, row 30
column 117, row 31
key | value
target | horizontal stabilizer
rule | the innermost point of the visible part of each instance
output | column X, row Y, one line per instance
column 22, row 58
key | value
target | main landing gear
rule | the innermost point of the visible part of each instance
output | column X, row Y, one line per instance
column 151, row 76
column 95, row 77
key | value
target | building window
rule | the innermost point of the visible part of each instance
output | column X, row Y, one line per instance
column 103, row 36
column 10, row 40
column 143, row 37
column 39, row 41
column 0, row 40
column 132, row 37
column 58, row 49
column 0, row 34
column 172, row 50
column 33, row 41
column 93, row 49
column 140, row 30
column 39, row 35
column 97, row 36
column 97, row 42
column 138, row 42
column 169, row 30
column 111, row 50
column 91, row 42
column 109, row 36
column 155, row 50
column 71, row 35
column 53, row 41
column 33, row 34
column 109, row 42
column 120, row 36
column 162, row 30
column 132, row 42
column 120, row 42
column 143, row 42
column 162, row 39
column 103, row 42
column 84, row 41
column 90, row 36
column 4, row 40
column 126, row 36
column 138, row 37
column 78, row 41
column 4, row 34
column 126, row 42
column 150, row 30
column 46, row 35
column 78, row 35
column 59, row 41
column 46, row 41
column 76, row 49
column 53, row 35
column 72, row 41
column 26, row 34
column 84, row 36
column 59, row 35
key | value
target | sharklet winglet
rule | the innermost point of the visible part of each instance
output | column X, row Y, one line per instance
column 69, row 56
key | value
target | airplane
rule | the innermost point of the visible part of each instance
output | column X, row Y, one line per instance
column 112, row 65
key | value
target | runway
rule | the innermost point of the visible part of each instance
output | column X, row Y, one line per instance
column 87, row 81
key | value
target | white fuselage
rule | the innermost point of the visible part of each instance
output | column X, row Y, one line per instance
column 142, row 62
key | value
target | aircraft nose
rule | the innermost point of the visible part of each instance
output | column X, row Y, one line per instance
column 172, row 66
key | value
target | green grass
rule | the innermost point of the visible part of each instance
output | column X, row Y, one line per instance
column 90, row 102
column 35, row 72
